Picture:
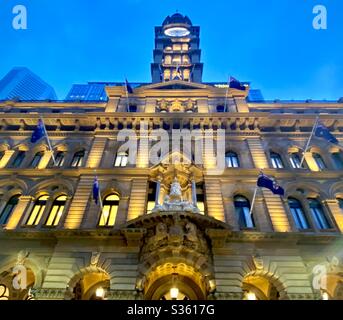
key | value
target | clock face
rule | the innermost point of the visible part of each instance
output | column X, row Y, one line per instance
column 177, row 32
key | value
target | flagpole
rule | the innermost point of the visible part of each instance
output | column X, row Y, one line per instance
column 227, row 92
column 99, row 194
column 309, row 140
column 253, row 201
column 48, row 140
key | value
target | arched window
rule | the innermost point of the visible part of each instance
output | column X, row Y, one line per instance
column 232, row 160
column 37, row 211
column 340, row 203
column 242, row 208
column 318, row 214
column 121, row 159
column 78, row 159
column 337, row 159
column 56, row 211
column 296, row 160
column 109, row 211
column 59, row 159
column 18, row 159
column 298, row 214
column 319, row 161
column 7, row 211
column 276, row 160
column 36, row 159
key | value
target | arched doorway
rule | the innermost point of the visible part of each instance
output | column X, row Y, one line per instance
column 175, row 282
column 259, row 287
column 91, row 285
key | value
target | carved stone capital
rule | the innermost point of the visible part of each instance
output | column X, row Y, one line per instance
column 133, row 236
column 218, row 237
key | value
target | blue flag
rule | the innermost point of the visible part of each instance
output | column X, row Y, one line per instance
column 324, row 132
column 235, row 84
column 39, row 132
column 96, row 190
column 264, row 181
column 128, row 87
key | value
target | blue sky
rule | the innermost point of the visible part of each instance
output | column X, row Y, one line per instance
column 271, row 43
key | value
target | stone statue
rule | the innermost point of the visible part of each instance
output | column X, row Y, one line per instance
column 191, row 230
column 175, row 191
column 22, row 256
column 95, row 258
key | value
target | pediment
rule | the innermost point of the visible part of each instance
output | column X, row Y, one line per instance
column 175, row 85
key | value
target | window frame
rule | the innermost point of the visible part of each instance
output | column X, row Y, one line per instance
column 112, row 215
column 318, row 214
column 19, row 157
column 78, row 159
column 318, row 159
column 6, row 211
column 56, row 211
column 276, row 160
column 232, row 160
column 38, row 209
column 301, row 220
column 121, row 160
column 36, row 159
column 242, row 210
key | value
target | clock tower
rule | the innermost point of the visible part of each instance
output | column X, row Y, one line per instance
column 177, row 53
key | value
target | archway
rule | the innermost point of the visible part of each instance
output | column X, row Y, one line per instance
column 261, row 287
column 175, row 282
column 90, row 285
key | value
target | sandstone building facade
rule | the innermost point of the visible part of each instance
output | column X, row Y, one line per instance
column 71, row 248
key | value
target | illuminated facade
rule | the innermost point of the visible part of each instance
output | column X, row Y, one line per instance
column 176, row 230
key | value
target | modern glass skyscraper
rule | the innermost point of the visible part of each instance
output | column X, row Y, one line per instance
column 22, row 84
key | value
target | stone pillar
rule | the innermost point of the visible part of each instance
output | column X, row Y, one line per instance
column 137, row 198
column 158, row 190
column 95, row 155
column 336, row 211
column 79, row 204
column 18, row 212
column 194, row 193
column 257, row 153
column 6, row 158
column 214, row 199
column 276, row 211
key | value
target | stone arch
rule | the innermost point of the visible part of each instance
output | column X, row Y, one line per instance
column 95, row 275
column 193, row 268
column 272, row 277
column 46, row 185
column 311, row 188
column 335, row 190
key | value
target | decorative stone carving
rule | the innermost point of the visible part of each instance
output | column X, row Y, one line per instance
column 95, row 258
column 258, row 261
column 22, row 256
column 175, row 233
column 174, row 201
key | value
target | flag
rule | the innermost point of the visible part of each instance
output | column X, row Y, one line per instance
column 96, row 190
column 264, row 181
column 39, row 132
column 128, row 87
column 324, row 132
column 235, row 84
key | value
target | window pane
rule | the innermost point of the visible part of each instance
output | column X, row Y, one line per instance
column 298, row 214
column 319, row 161
column 338, row 160
column 150, row 206
column 9, row 208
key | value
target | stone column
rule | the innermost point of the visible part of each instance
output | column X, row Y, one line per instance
column 194, row 193
column 43, row 163
column 158, row 190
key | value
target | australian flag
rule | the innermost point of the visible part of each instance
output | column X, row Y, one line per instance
column 264, row 181
column 39, row 132
column 128, row 87
column 96, row 190
column 324, row 132
column 235, row 84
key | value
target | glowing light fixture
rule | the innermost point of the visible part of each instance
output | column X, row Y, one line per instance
column 325, row 296
column 100, row 293
column 174, row 292
column 177, row 32
column 251, row 296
